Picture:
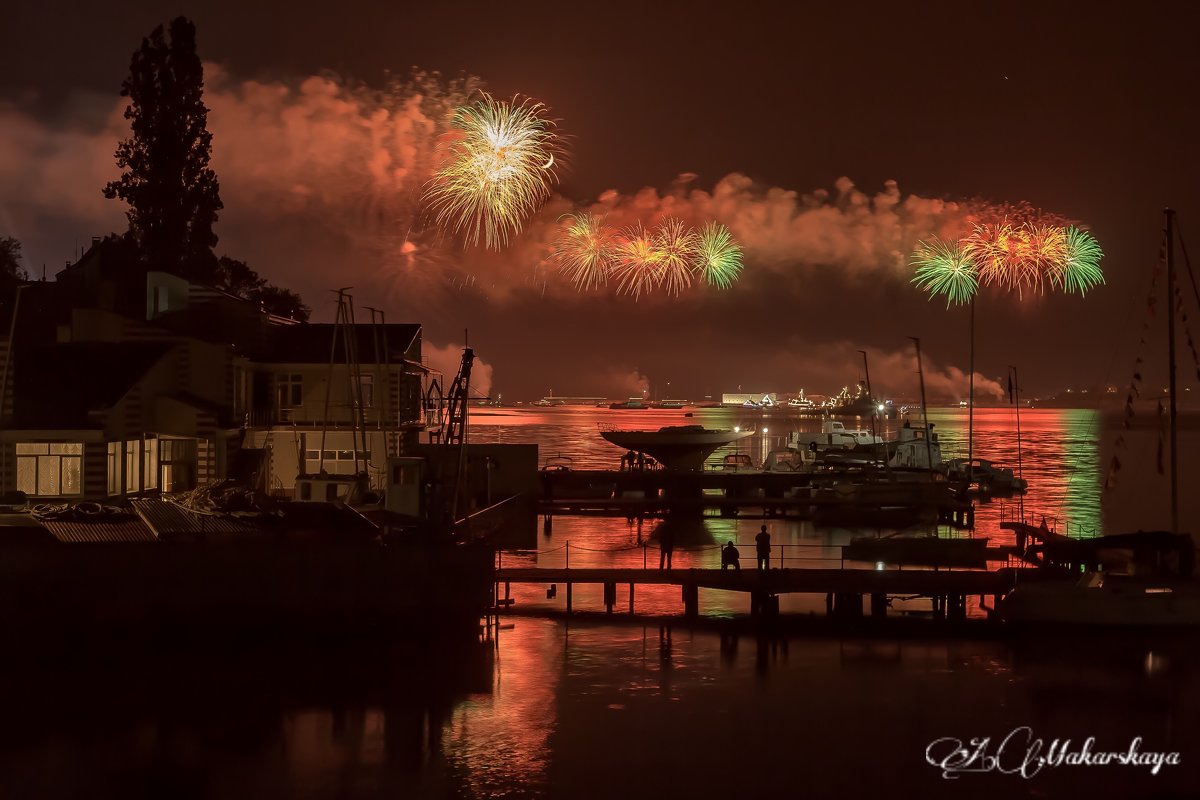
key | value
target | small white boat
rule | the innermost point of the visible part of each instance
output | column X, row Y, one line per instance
column 833, row 435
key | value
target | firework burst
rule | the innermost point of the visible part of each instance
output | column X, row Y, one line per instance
column 947, row 270
column 636, row 261
column 676, row 247
column 1079, row 269
column 719, row 256
column 584, row 250
column 497, row 167
column 1006, row 256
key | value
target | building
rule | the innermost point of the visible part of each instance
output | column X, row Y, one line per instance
column 117, row 385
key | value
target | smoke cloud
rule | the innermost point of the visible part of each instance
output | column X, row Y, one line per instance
column 448, row 359
column 322, row 182
column 321, row 176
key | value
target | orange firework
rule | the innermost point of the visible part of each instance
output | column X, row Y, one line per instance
column 637, row 261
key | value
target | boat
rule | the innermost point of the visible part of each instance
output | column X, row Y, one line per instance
column 833, row 435
column 669, row 404
column 990, row 477
column 681, row 447
column 631, row 403
column 927, row 551
column 1133, row 580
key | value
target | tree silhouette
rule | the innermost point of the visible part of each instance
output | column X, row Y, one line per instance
column 172, row 193
column 10, row 261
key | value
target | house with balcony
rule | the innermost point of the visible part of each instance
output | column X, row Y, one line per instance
column 317, row 411
column 116, row 386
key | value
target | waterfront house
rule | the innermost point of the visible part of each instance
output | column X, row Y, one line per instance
column 119, row 384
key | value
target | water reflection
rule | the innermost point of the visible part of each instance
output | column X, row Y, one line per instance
column 550, row 709
column 1060, row 448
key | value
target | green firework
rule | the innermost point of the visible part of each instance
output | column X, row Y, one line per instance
column 1080, row 269
column 719, row 256
column 945, row 269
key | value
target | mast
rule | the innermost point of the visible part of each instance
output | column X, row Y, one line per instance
column 1016, row 384
column 971, row 401
column 1170, row 233
column 924, row 409
column 874, row 410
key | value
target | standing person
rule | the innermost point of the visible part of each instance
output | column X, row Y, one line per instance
column 762, row 546
column 666, row 546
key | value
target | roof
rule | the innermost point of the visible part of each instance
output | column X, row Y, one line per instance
column 171, row 520
column 56, row 386
column 124, row 530
column 312, row 343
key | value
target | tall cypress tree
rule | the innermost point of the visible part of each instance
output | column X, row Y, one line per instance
column 172, row 193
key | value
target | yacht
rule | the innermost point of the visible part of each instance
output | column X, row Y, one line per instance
column 683, row 447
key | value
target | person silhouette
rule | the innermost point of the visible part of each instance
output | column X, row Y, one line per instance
column 666, row 546
column 730, row 557
column 762, row 547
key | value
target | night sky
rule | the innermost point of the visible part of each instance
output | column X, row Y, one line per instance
column 1090, row 111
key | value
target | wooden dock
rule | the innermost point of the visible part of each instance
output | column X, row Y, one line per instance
column 844, row 589
column 844, row 496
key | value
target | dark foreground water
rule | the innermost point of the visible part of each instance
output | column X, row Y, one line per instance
column 650, row 709
column 550, row 709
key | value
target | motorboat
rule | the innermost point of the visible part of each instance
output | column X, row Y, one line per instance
column 681, row 447
column 928, row 551
column 1132, row 579
column 833, row 435
column 1099, row 598
column 990, row 477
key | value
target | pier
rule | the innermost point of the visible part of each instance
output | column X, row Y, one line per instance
column 842, row 494
column 845, row 589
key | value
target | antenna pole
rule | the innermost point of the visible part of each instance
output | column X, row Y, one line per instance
column 1170, row 232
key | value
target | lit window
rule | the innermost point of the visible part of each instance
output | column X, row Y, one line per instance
column 114, row 467
column 50, row 468
column 133, row 465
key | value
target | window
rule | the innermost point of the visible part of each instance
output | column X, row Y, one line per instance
column 133, row 465
column 114, row 468
column 150, row 464
column 50, row 468
column 366, row 383
column 289, row 390
column 177, row 464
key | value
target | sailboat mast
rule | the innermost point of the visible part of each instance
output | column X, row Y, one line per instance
column 971, row 400
column 1016, row 386
column 1170, row 233
column 924, row 410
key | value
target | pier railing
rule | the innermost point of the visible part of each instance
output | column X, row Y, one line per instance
column 649, row 557
column 1019, row 513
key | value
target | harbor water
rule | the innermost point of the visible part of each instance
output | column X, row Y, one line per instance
column 596, row 707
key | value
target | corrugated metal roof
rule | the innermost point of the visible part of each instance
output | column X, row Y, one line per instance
column 129, row 530
column 169, row 519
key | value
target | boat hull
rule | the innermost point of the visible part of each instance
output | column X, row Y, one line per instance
column 1128, row 604
column 675, row 450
